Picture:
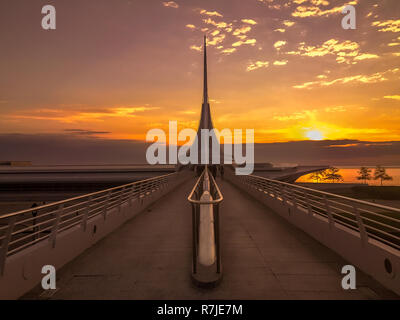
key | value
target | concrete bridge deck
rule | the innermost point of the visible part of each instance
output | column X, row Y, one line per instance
column 263, row 257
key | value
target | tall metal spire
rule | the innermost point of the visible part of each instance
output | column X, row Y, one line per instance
column 205, row 86
column 205, row 118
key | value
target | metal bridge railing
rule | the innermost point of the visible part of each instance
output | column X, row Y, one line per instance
column 371, row 221
column 25, row 228
column 205, row 199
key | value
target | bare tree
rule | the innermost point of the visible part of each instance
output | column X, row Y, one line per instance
column 380, row 173
column 333, row 175
column 364, row 174
column 318, row 175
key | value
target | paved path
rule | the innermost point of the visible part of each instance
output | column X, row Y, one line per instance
column 263, row 257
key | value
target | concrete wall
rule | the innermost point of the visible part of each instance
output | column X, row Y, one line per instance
column 23, row 269
column 370, row 257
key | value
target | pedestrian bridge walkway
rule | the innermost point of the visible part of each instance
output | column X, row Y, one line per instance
column 263, row 257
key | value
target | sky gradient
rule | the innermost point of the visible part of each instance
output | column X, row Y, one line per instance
column 116, row 69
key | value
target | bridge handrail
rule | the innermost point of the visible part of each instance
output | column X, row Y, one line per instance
column 370, row 220
column 332, row 194
column 212, row 276
column 198, row 185
column 24, row 228
column 7, row 215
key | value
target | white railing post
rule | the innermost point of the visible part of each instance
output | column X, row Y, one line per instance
column 261, row 186
column 131, row 193
column 166, row 183
column 121, row 198
column 282, row 191
column 106, row 205
column 361, row 227
column 269, row 188
column 86, row 213
column 294, row 199
column 56, row 224
column 275, row 189
column 307, row 200
column 329, row 212
column 141, row 188
column 5, row 243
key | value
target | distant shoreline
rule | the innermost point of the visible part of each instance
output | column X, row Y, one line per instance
column 357, row 167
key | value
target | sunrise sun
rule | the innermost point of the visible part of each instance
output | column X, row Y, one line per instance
column 314, row 135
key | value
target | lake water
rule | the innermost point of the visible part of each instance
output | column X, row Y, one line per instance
column 350, row 174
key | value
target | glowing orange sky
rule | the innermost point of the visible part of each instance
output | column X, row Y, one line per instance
column 285, row 68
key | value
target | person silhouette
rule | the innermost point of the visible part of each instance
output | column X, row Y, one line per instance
column 34, row 212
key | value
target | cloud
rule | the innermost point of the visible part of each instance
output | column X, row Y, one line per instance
column 170, row 4
column 270, row 4
column 248, row 41
column 279, row 44
column 189, row 112
column 196, row 48
column 395, row 97
column 72, row 115
column 249, row 21
column 331, row 46
column 345, row 51
column 72, row 149
column 373, row 78
column 229, row 50
column 216, row 40
column 211, row 13
column 242, row 30
column 216, row 24
column 335, row 109
column 275, row 6
column 342, row 145
column 288, row 23
column 220, row 30
column 257, row 65
column 82, row 132
column 315, row 8
column 364, row 56
column 387, row 25
column 280, row 62
column 295, row 116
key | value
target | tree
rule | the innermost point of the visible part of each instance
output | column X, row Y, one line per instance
column 318, row 175
column 333, row 175
column 364, row 174
column 380, row 173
